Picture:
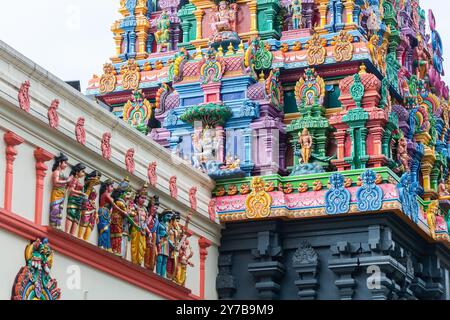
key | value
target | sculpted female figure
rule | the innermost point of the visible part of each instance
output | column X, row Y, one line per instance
column 89, row 215
column 60, row 182
column 106, row 203
column 76, row 198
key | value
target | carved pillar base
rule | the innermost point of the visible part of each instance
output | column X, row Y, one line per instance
column 306, row 264
column 225, row 282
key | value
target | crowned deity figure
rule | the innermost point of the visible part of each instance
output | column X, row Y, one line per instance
column 206, row 145
column 296, row 14
column 59, row 188
column 151, row 226
column 138, row 230
column 76, row 198
column 162, row 35
column 163, row 242
column 106, row 203
column 305, row 141
column 121, row 196
column 223, row 23
column 89, row 215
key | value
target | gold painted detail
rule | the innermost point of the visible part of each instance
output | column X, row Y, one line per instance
column 258, row 202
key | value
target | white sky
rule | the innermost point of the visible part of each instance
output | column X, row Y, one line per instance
column 72, row 38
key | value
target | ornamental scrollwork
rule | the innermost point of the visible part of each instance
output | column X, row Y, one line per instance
column 258, row 202
column 369, row 196
column 337, row 198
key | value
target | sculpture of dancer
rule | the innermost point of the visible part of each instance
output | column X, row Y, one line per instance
column 402, row 152
column 59, row 188
column 305, row 141
column 106, row 203
column 75, row 199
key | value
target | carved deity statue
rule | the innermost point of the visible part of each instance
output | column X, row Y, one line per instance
column 75, row 199
column 89, row 215
column 162, row 36
column 402, row 152
column 60, row 183
column 305, row 141
column 121, row 196
column 106, row 203
column 224, row 17
column 139, row 229
column 296, row 12
column 206, row 145
column 443, row 191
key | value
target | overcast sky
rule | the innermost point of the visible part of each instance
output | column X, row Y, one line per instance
column 72, row 38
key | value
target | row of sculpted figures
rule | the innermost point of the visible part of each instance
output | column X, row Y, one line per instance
column 127, row 220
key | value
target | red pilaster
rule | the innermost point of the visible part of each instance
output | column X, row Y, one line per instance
column 203, row 244
column 12, row 140
column 41, row 157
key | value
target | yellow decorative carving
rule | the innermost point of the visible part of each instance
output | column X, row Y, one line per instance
column 108, row 79
column 432, row 210
column 343, row 47
column 258, row 202
column 131, row 75
column 316, row 50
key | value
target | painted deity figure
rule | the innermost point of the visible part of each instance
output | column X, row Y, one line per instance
column 185, row 255
column 139, row 228
column 59, row 188
column 163, row 243
column 119, row 213
column 106, row 203
column 80, row 132
column 174, row 235
column 296, row 13
column 206, row 145
column 151, row 250
column 182, row 251
column 224, row 18
column 305, row 141
column 162, row 35
column 443, row 191
column 89, row 215
column 402, row 152
column 75, row 199
column 421, row 60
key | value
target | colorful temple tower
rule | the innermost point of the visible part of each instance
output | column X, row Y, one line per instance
column 325, row 124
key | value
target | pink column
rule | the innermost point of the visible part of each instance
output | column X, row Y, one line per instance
column 204, row 244
column 41, row 157
column 12, row 140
